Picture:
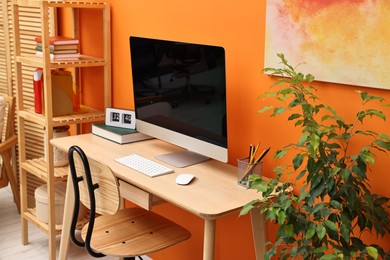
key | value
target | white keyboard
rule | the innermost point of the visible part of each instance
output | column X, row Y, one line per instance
column 143, row 165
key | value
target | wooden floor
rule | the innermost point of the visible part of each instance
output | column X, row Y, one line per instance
column 11, row 247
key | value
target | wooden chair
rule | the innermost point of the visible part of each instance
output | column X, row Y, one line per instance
column 8, row 142
column 118, row 232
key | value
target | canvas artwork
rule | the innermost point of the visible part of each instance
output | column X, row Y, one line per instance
column 341, row 41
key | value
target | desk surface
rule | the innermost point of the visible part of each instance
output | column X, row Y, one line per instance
column 214, row 191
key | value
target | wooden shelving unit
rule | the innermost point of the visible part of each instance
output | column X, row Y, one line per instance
column 43, row 168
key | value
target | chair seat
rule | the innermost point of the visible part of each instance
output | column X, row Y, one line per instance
column 133, row 232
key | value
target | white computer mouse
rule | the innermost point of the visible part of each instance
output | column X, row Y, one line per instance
column 184, row 178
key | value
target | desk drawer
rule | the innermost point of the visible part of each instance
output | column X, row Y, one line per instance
column 138, row 196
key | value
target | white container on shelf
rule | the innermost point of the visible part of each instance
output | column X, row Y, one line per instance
column 41, row 203
column 60, row 158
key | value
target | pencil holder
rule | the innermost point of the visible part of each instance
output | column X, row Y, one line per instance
column 245, row 169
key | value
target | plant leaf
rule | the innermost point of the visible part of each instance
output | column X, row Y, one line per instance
column 310, row 233
column 372, row 251
column 303, row 196
column 314, row 143
column 320, row 249
column 335, row 204
column 325, row 117
column 301, row 174
column 331, row 225
column 385, row 137
column 294, row 116
column 280, row 153
column 381, row 201
column 289, row 230
column 360, row 169
column 321, row 231
column 365, row 96
column 278, row 111
column 369, row 159
column 297, row 161
column 344, row 231
column 281, row 217
column 383, row 144
column 248, row 207
column 264, row 109
column 303, row 139
column 309, row 78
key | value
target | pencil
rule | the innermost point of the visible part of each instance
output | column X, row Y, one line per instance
column 250, row 153
column 249, row 169
column 263, row 154
column 253, row 154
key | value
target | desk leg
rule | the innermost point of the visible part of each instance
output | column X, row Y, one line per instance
column 67, row 220
column 259, row 231
column 209, row 239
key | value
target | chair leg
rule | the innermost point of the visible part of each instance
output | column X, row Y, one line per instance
column 11, row 177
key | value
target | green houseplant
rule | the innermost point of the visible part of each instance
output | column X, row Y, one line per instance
column 325, row 217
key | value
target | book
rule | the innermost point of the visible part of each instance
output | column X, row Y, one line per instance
column 38, row 46
column 59, row 40
column 118, row 134
column 38, row 94
column 60, row 56
column 54, row 51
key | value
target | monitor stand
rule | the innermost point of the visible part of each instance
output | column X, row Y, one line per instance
column 182, row 159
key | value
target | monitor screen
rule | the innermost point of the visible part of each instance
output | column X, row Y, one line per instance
column 180, row 96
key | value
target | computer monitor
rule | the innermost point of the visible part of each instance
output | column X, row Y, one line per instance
column 180, row 97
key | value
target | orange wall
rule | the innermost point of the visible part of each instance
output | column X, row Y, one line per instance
column 239, row 28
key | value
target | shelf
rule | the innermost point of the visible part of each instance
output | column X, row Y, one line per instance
column 83, row 61
column 38, row 168
column 91, row 115
column 31, row 216
column 57, row 3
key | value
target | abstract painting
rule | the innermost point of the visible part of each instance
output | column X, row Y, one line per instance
column 340, row 41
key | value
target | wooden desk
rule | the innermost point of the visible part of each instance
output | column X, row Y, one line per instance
column 212, row 194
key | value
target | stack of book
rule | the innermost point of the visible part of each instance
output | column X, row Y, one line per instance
column 61, row 48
